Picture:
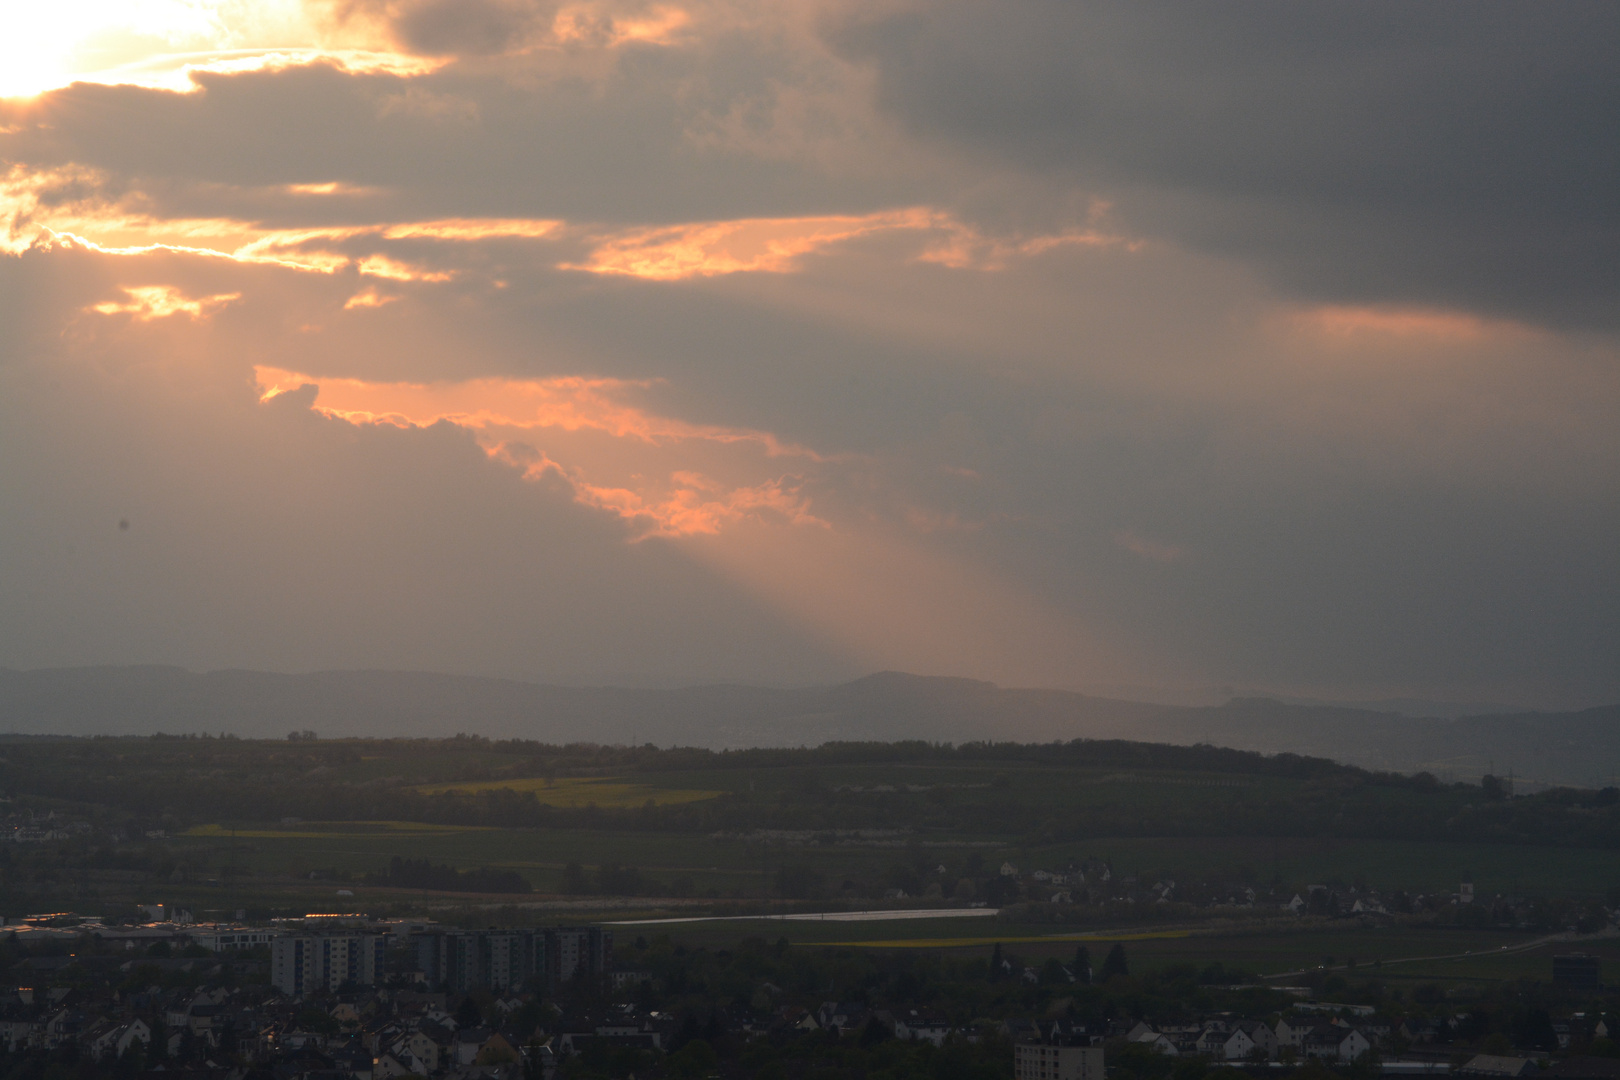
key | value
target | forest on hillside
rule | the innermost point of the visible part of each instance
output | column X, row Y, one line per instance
column 1046, row 792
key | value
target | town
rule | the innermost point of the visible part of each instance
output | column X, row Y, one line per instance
column 465, row 909
column 348, row 997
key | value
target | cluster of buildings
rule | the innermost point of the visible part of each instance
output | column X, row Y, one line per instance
column 1341, row 1034
column 852, row 1018
column 1093, row 881
column 325, row 1001
column 225, row 1032
column 1299, row 1036
column 316, row 998
column 334, row 958
column 29, row 828
column 340, row 952
column 374, row 1035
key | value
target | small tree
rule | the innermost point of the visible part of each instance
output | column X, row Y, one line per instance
column 694, row 1059
column 468, row 1014
column 1082, row 964
column 1114, row 963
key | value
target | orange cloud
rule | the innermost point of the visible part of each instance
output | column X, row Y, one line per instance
column 34, row 211
column 964, row 248
column 1396, row 322
column 1155, row 550
column 384, row 267
column 570, row 402
column 331, row 187
column 706, row 249
column 660, row 474
column 49, row 206
column 473, row 229
column 148, row 302
column 368, row 298
column 578, row 24
column 774, row 245
column 695, row 507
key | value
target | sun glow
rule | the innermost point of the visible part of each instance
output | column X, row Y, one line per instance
column 161, row 43
column 50, row 45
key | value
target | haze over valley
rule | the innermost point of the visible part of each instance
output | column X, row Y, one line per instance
column 1576, row 748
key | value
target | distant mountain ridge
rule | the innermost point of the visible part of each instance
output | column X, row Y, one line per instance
column 1575, row 748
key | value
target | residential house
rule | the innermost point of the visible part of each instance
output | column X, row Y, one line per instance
column 1246, row 1039
column 1160, row 1044
column 1212, row 1040
column 17, row 1032
column 468, row 1042
column 1263, row 1037
column 794, row 1017
column 416, row 1051
column 62, row 1026
column 1378, row 1029
column 844, row 1016
column 389, row 1067
column 497, row 1050
column 111, row 1039
column 920, row 1026
column 1331, row 1042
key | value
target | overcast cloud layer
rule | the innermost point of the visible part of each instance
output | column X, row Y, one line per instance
column 1137, row 348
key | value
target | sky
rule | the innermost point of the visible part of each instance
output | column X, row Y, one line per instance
column 1156, row 350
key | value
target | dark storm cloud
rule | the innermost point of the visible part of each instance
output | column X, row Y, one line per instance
column 1018, row 400
column 613, row 148
column 1394, row 152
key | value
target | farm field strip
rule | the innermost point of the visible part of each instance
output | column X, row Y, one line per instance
column 341, row 830
column 1417, row 866
column 1008, row 939
column 573, row 792
column 890, row 915
column 1468, row 954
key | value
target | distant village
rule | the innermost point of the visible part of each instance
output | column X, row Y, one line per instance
column 347, row 997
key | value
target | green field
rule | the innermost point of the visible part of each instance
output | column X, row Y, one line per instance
column 570, row 791
column 222, row 824
column 1385, row 953
column 1415, row 866
column 739, row 866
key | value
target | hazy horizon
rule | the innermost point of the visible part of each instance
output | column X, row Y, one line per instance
column 1415, row 707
